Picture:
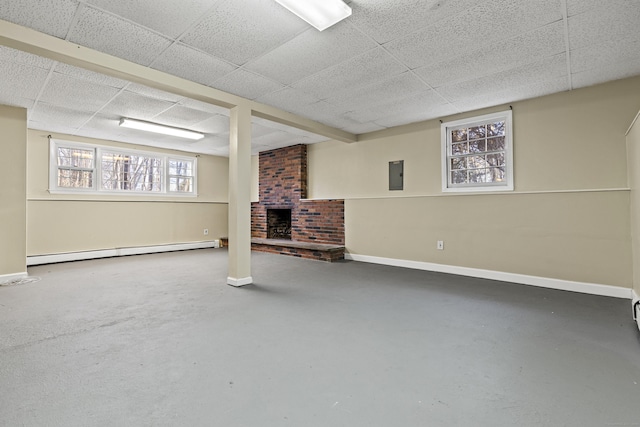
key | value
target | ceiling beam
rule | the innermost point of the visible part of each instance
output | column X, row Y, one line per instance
column 37, row 43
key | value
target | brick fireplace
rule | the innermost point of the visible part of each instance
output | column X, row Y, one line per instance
column 283, row 221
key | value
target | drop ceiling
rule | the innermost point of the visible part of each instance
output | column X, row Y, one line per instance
column 391, row 63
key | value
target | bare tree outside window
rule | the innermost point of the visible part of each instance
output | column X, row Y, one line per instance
column 75, row 167
column 477, row 153
column 181, row 176
column 131, row 172
column 88, row 168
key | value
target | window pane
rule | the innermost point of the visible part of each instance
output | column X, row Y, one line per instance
column 68, row 178
column 495, row 174
column 459, row 135
column 181, row 167
column 131, row 172
column 496, row 159
column 459, row 148
column 495, row 129
column 475, row 162
column 477, row 175
column 180, row 185
column 75, row 157
column 458, row 163
column 477, row 132
column 477, row 146
column 496, row 144
column 458, row 177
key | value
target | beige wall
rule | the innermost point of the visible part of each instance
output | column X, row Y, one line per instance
column 60, row 223
column 633, row 161
column 13, row 141
column 568, row 217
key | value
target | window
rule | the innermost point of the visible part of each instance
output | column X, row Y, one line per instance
column 477, row 154
column 74, row 169
column 181, row 175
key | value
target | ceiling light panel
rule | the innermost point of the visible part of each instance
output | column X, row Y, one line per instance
column 161, row 129
column 321, row 14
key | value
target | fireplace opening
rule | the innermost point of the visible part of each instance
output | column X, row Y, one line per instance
column 279, row 224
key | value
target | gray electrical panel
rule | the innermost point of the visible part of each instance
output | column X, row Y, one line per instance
column 396, row 172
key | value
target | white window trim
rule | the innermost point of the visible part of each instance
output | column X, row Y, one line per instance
column 507, row 116
column 97, row 181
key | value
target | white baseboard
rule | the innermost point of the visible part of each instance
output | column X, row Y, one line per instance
column 543, row 282
column 239, row 282
column 6, row 278
column 108, row 253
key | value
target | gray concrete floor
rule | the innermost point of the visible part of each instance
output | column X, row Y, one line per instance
column 161, row 340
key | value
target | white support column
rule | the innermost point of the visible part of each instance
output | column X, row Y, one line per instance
column 240, row 197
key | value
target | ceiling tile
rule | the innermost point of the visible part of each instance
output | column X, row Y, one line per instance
column 372, row 66
column 364, row 128
column 605, row 73
column 203, row 106
column 150, row 92
column 76, row 94
column 504, row 54
column 288, row 99
column 104, row 32
column 90, row 76
column 534, row 89
column 385, row 20
column 614, row 53
column 20, row 80
column 216, row 124
column 508, row 80
column 311, row 52
column 20, row 57
column 53, row 17
column 181, row 116
column 471, row 30
column 617, row 22
column 191, row 64
column 58, row 117
column 237, row 31
column 575, row 7
column 406, row 116
column 160, row 15
column 136, row 106
column 419, row 104
column 397, row 87
column 246, row 84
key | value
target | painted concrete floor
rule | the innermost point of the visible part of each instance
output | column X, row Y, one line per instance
column 160, row 340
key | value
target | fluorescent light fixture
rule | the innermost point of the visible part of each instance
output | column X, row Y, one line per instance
column 157, row 128
column 320, row 13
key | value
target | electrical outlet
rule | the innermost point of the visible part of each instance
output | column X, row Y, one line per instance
column 206, row 231
column 440, row 245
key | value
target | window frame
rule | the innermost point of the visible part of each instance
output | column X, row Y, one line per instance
column 446, row 154
column 98, row 151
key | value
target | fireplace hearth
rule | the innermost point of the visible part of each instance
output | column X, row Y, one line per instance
column 284, row 221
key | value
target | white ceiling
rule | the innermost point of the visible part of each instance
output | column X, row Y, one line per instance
column 391, row 63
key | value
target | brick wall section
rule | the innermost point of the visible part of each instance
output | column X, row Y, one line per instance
column 320, row 221
column 283, row 176
column 259, row 220
column 282, row 184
